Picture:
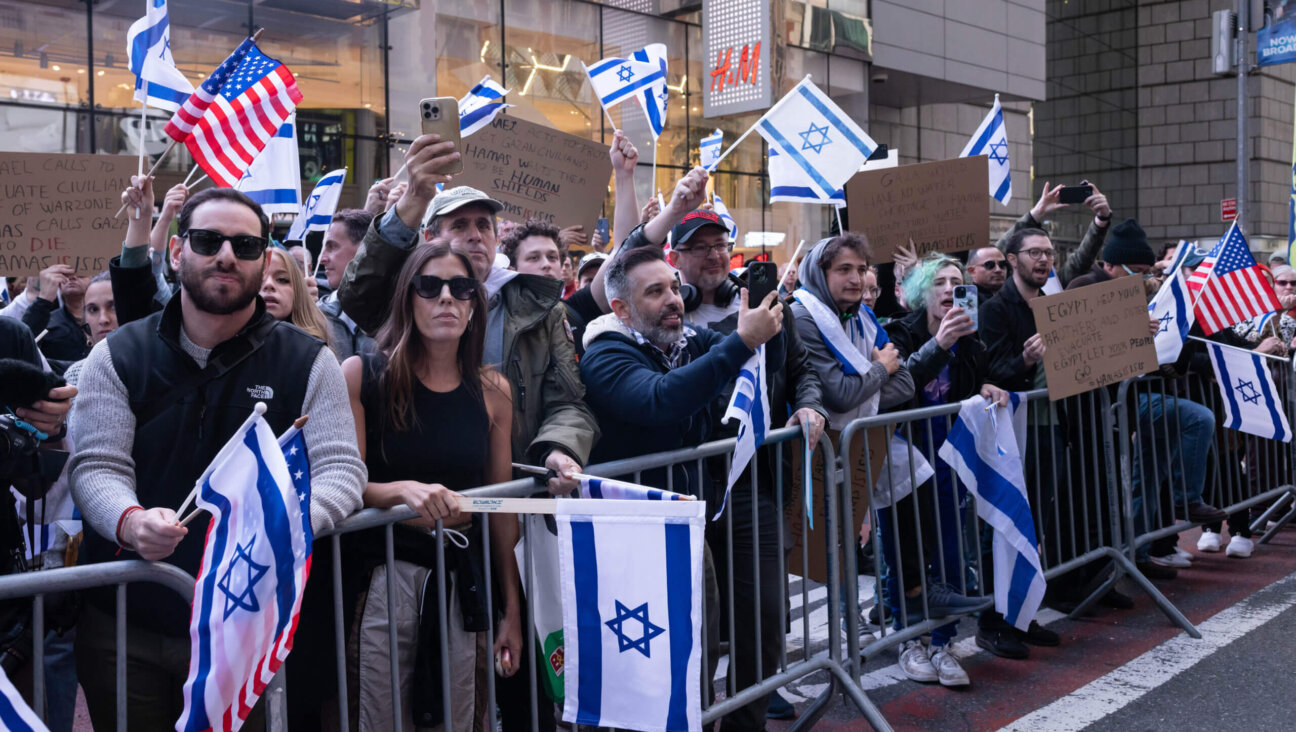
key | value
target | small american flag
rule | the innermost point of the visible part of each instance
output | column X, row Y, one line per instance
column 1228, row 286
column 229, row 119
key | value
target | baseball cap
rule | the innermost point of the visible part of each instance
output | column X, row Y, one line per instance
column 692, row 221
column 458, row 197
column 590, row 259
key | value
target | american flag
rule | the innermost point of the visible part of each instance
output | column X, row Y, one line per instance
column 229, row 119
column 1228, row 287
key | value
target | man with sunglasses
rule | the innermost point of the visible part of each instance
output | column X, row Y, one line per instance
column 158, row 400
column 988, row 270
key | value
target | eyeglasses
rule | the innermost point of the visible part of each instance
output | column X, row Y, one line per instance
column 1285, row 283
column 208, row 243
column 1145, row 275
column 873, row 291
column 429, row 287
column 994, row 264
column 718, row 249
column 1039, row 253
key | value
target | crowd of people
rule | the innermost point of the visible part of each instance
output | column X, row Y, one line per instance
column 438, row 344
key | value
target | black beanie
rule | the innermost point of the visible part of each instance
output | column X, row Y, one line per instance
column 1127, row 244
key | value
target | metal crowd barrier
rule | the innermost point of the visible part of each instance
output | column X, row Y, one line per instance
column 1084, row 463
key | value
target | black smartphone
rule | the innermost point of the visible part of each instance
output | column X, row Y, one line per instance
column 762, row 279
column 1075, row 194
column 604, row 230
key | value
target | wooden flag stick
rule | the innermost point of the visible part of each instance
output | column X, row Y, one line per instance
column 200, row 180
column 150, row 173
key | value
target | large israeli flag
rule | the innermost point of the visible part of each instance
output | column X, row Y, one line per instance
column 274, row 180
column 480, row 105
column 255, row 563
column 631, row 576
column 991, row 140
column 817, row 136
column 617, row 79
column 750, row 406
column 789, row 183
column 985, row 447
column 158, row 83
column 709, row 149
column 1170, row 306
column 653, row 97
column 318, row 211
column 1251, row 400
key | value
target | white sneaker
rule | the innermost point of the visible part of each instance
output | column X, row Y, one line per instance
column 948, row 670
column 1209, row 542
column 915, row 663
column 1186, row 556
column 1171, row 560
column 1240, row 546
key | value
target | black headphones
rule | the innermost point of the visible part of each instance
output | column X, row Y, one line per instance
column 724, row 294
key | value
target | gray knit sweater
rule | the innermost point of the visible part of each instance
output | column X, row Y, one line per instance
column 103, row 472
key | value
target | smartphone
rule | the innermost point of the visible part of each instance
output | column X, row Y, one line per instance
column 440, row 116
column 604, row 231
column 762, row 279
column 965, row 296
column 1075, row 194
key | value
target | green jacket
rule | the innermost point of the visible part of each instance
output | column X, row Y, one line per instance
column 539, row 357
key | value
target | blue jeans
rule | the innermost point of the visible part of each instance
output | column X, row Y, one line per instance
column 1178, row 432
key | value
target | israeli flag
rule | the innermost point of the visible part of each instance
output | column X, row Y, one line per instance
column 750, row 406
column 255, row 563
column 15, row 715
column 1170, row 307
column 619, row 490
column 1247, row 389
column 816, row 136
column 158, row 83
column 617, row 79
column 1052, row 285
column 317, row 213
column 985, row 447
column 653, row 97
column 480, row 106
column 631, row 576
column 789, row 183
column 991, row 140
column 274, row 180
column 722, row 211
column 710, row 149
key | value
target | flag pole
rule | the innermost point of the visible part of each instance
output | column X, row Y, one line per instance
column 190, row 175
column 840, row 229
column 221, row 456
column 140, row 166
column 200, row 180
column 724, row 154
column 1235, row 348
column 150, row 173
column 654, row 169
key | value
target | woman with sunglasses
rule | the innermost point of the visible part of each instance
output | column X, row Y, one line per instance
column 287, row 295
column 430, row 421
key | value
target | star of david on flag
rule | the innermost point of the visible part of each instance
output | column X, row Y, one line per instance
column 653, row 97
column 317, row 213
column 1251, row 400
column 991, row 140
column 631, row 578
column 158, row 83
column 255, row 562
column 481, row 105
column 1170, row 306
column 617, row 79
column 233, row 114
column 709, row 149
column 1229, row 287
column 817, row 137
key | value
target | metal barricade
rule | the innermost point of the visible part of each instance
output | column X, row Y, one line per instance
column 37, row 585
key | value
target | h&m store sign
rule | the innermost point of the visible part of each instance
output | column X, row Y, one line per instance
column 738, row 43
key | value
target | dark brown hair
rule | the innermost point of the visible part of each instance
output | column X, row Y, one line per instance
column 851, row 240
column 356, row 221
column 533, row 227
column 405, row 349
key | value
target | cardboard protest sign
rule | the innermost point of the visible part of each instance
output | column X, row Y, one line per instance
column 538, row 172
column 815, row 564
column 58, row 209
column 1094, row 336
column 941, row 206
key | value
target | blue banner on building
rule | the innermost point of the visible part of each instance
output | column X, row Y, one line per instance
column 1276, row 42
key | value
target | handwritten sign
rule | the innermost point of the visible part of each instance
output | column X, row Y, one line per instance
column 58, row 209
column 941, row 206
column 538, row 172
column 1094, row 336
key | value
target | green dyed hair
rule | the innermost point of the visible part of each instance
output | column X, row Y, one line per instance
column 920, row 278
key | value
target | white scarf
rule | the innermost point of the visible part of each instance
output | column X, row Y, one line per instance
column 853, row 349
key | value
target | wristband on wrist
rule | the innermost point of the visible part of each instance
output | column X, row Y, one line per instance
column 122, row 522
column 1103, row 218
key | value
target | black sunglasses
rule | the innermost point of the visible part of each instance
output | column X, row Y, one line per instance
column 429, row 287
column 994, row 264
column 208, row 243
